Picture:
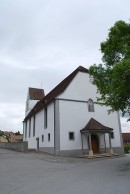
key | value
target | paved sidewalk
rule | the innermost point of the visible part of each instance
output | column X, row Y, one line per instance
column 32, row 173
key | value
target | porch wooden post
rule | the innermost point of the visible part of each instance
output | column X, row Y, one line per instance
column 110, row 145
column 90, row 145
column 82, row 142
column 105, row 142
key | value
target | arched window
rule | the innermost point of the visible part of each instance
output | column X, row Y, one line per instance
column 90, row 105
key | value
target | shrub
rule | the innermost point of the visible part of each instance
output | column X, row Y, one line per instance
column 126, row 149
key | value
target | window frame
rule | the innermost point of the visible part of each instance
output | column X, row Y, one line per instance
column 34, row 125
column 42, row 138
column 25, row 129
column 29, row 128
column 112, row 135
column 45, row 117
column 49, row 137
column 90, row 107
column 73, row 135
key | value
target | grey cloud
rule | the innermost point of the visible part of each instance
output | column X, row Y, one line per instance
column 44, row 41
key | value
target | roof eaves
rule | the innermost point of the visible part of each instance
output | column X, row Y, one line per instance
column 55, row 92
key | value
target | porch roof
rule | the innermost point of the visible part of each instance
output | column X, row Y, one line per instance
column 95, row 126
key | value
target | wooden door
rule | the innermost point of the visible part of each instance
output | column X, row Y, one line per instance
column 37, row 143
column 95, row 144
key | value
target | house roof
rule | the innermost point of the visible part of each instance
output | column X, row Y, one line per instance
column 126, row 136
column 94, row 125
column 36, row 94
column 8, row 132
column 55, row 92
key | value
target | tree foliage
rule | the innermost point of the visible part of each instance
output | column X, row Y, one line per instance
column 18, row 133
column 7, row 137
column 112, row 78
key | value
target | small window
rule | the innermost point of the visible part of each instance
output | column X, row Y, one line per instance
column 90, row 105
column 71, row 136
column 42, row 138
column 112, row 135
column 49, row 137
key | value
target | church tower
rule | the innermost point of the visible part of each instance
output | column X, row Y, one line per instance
column 33, row 96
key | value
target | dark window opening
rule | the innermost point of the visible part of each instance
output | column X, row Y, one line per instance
column 71, row 136
column 49, row 137
column 45, row 117
column 33, row 126
column 42, row 138
column 29, row 127
column 112, row 135
column 26, row 130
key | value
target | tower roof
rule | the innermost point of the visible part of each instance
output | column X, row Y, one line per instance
column 36, row 94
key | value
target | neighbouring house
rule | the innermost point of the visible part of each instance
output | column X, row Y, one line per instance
column 126, row 138
column 69, row 121
column 3, row 139
column 9, row 136
column 16, row 138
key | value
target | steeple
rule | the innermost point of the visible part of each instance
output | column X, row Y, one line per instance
column 33, row 96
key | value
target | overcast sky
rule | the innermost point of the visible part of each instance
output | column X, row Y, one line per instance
column 42, row 41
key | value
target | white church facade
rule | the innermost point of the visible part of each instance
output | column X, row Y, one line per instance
column 69, row 121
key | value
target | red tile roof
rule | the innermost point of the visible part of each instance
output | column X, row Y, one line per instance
column 126, row 136
column 8, row 132
column 55, row 92
column 94, row 125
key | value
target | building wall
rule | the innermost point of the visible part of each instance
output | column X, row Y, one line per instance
column 71, row 115
column 80, row 88
column 74, row 115
column 29, row 106
column 40, row 130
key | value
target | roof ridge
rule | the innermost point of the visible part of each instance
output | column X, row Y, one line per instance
column 56, row 91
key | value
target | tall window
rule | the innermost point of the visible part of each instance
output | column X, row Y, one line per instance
column 45, row 117
column 25, row 129
column 90, row 105
column 34, row 126
column 29, row 127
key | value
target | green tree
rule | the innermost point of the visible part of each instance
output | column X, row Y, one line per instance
column 112, row 78
column 1, row 133
column 18, row 133
column 5, row 136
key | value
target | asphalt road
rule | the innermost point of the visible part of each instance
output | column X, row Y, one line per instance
column 36, row 173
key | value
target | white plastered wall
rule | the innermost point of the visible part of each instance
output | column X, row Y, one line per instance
column 74, row 115
column 40, row 130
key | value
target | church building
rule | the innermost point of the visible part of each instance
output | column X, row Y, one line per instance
column 69, row 121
